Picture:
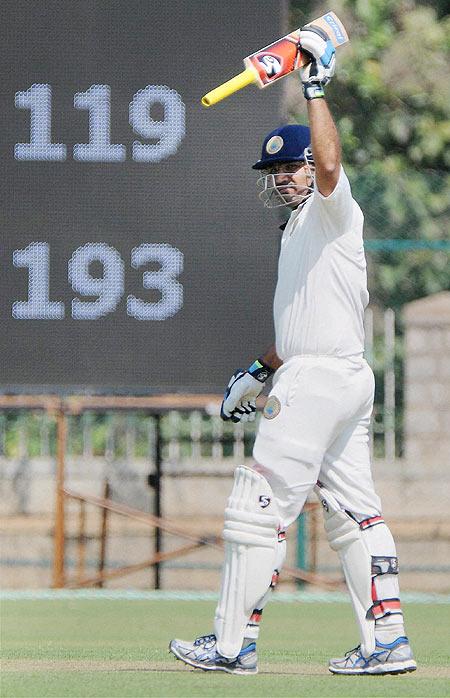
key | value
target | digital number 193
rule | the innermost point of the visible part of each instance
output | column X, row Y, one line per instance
column 99, row 295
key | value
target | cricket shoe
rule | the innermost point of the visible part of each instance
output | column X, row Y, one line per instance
column 203, row 654
column 393, row 658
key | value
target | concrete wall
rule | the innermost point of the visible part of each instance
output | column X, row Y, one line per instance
column 415, row 490
column 427, row 381
column 416, row 501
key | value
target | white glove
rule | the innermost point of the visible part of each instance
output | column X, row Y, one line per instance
column 239, row 403
column 318, row 73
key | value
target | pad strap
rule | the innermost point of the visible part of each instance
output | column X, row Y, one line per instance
column 384, row 608
column 384, row 565
column 372, row 521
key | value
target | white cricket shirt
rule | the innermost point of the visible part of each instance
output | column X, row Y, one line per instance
column 322, row 291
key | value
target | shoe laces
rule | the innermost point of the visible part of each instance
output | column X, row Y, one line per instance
column 355, row 649
column 205, row 640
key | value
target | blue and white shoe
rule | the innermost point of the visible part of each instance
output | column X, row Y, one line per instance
column 203, row 654
column 393, row 658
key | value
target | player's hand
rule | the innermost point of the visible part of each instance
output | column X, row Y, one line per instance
column 239, row 402
column 318, row 73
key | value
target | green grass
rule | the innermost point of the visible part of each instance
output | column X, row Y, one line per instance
column 108, row 648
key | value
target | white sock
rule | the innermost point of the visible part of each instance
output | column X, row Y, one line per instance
column 389, row 628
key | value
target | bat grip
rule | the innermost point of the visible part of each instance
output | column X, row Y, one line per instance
column 237, row 83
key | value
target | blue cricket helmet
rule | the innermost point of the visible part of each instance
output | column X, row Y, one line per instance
column 284, row 144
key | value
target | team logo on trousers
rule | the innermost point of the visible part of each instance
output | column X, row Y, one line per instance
column 272, row 407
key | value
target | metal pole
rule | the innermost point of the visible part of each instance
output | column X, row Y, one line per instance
column 157, row 505
column 86, row 422
column 103, row 532
column 313, row 538
column 81, row 542
column 3, row 424
column 368, row 350
column 302, row 553
column 59, row 534
column 389, row 385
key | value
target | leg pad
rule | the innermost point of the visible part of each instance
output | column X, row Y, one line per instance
column 345, row 537
column 251, row 540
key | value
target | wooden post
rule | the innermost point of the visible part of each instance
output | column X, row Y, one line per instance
column 59, row 533
column 103, row 533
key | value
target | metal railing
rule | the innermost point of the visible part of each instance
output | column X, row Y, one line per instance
column 197, row 436
column 60, row 410
column 384, row 419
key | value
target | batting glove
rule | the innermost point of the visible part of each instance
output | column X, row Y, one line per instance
column 239, row 402
column 318, row 73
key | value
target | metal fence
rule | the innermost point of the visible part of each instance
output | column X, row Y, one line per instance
column 195, row 436
column 196, row 456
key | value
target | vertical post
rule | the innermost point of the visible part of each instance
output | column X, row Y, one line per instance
column 86, row 422
column 81, row 542
column 302, row 553
column 44, row 435
column 175, row 426
column 217, row 434
column 368, row 350
column 59, row 534
column 389, row 384
column 313, row 538
column 238, row 442
column 157, row 505
column 103, row 532
column 110, row 445
column 195, row 428
column 130, row 437
column 22, row 446
column 2, row 434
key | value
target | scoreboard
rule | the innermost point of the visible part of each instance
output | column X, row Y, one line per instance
column 135, row 255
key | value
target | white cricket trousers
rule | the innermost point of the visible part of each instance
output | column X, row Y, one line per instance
column 315, row 427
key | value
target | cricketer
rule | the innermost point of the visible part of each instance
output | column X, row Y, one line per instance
column 314, row 429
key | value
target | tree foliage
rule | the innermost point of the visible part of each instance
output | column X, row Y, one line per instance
column 391, row 101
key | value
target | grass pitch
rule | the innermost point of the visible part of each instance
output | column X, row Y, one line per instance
column 93, row 648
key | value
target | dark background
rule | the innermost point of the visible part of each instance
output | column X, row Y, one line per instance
column 201, row 200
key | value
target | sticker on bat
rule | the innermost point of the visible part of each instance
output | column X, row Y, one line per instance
column 272, row 64
column 330, row 20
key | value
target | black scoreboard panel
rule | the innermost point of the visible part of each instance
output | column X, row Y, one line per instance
column 135, row 255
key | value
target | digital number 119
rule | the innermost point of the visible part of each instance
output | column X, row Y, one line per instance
column 168, row 132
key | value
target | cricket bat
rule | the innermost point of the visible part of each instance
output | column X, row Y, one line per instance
column 277, row 60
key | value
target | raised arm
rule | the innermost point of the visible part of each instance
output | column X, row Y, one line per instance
column 324, row 136
column 325, row 144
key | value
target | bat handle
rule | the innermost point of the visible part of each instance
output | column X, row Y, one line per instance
column 237, row 83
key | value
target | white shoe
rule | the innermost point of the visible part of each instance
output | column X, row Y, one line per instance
column 393, row 658
column 203, row 654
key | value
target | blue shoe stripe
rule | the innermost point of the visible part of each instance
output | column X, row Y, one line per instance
column 247, row 650
column 391, row 645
